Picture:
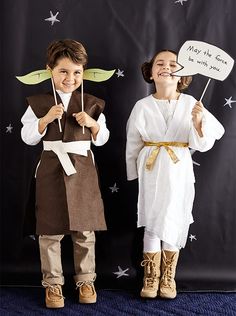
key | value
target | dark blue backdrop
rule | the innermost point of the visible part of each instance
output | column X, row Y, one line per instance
column 119, row 35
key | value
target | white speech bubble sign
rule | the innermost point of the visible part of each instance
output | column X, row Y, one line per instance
column 196, row 57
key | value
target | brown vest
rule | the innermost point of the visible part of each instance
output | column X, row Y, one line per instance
column 42, row 103
column 67, row 203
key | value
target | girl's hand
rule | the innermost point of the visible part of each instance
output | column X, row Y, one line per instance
column 84, row 119
column 55, row 112
column 197, row 114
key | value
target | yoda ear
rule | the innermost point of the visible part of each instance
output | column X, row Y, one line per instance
column 35, row 77
column 98, row 75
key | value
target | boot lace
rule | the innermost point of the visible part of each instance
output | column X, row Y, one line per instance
column 167, row 276
column 148, row 264
column 88, row 284
column 53, row 288
column 151, row 278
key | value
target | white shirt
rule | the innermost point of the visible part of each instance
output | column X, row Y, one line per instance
column 30, row 133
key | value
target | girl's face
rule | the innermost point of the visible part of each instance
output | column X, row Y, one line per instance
column 67, row 76
column 163, row 67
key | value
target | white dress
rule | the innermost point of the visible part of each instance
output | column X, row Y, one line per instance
column 166, row 192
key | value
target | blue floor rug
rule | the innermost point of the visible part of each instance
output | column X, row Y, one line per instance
column 30, row 302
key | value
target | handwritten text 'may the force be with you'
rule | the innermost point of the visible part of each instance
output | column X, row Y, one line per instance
column 208, row 54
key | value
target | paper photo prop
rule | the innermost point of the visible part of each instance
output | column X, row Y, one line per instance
column 98, row 75
column 93, row 74
column 196, row 57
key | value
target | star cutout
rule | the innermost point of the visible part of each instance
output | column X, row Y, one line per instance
column 32, row 237
column 121, row 272
column 120, row 73
column 9, row 128
column 181, row 1
column 192, row 151
column 53, row 18
column 229, row 101
column 114, row 188
column 192, row 237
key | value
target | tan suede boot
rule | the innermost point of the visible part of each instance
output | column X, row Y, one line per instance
column 53, row 296
column 87, row 293
column 168, row 268
column 151, row 263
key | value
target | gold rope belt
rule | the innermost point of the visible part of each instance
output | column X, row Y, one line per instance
column 152, row 158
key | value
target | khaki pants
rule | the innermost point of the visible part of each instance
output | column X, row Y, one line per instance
column 84, row 257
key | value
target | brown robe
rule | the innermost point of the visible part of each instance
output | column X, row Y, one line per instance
column 67, row 203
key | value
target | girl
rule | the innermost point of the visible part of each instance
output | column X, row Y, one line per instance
column 160, row 130
column 68, row 198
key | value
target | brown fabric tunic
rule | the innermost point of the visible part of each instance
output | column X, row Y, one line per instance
column 67, row 203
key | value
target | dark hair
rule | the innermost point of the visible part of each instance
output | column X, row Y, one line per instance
column 146, row 69
column 66, row 48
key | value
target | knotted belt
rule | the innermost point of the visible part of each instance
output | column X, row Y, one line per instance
column 62, row 149
column 153, row 156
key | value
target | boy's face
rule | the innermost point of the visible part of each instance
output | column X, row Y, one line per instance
column 67, row 76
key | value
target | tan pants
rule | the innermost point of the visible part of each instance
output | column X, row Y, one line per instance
column 84, row 257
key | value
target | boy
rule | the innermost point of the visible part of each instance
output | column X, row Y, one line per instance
column 68, row 198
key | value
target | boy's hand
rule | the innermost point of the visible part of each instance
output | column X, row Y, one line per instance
column 84, row 119
column 55, row 112
column 197, row 114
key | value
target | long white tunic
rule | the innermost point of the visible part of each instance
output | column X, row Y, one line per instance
column 166, row 192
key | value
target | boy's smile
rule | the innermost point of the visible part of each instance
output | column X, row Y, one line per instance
column 67, row 75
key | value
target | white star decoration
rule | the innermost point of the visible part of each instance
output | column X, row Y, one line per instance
column 192, row 151
column 120, row 73
column 114, row 188
column 181, row 1
column 53, row 18
column 192, row 237
column 229, row 101
column 121, row 272
column 9, row 128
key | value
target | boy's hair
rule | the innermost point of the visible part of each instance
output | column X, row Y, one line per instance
column 66, row 48
column 146, row 69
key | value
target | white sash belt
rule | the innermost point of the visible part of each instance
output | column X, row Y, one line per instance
column 62, row 149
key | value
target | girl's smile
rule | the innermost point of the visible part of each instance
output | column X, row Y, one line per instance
column 164, row 65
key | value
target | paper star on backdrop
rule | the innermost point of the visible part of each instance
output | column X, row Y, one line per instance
column 114, row 188
column 229, row 101
column 121, row 272
column 192, row 237
column 32, row 237
column 53, row 18
column 181, row 1
column 9, row 128
column 120, row 73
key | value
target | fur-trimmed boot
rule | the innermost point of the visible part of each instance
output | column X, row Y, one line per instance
column 152, row 264
column 168, row 269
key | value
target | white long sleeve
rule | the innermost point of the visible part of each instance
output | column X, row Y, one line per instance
column 103, row 133
column 134, row 144
column 31, row 136
column 212, row 130
column 29, row 132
